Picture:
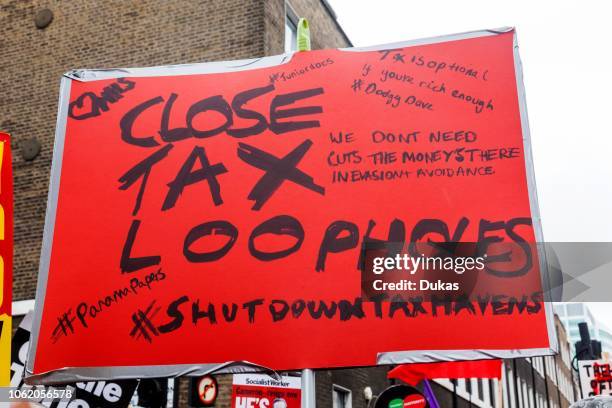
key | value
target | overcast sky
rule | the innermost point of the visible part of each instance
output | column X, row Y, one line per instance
column 566, row 49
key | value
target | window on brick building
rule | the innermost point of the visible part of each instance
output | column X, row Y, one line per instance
column 341, row 397
column 291, row 22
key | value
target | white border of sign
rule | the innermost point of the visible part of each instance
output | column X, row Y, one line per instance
column 72, row 374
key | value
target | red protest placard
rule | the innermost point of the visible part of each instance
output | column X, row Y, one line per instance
column 227, row 207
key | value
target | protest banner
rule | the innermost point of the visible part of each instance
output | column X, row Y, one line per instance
column 413, row 374
column 403, row 396
column 111, row 394
column 595, row 377
column 263, row 391
column 6, row 256
column 227, row 204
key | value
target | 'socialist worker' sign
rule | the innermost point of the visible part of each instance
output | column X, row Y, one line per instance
column 595, row 377
column 6, row 257
column 210, row 213
column 263, row 391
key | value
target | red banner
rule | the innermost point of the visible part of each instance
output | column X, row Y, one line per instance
column 211, row 213
column 413, row 374
column 6, row 257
